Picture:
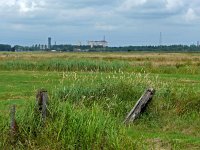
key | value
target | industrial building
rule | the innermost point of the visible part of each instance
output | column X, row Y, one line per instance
column 102, row 43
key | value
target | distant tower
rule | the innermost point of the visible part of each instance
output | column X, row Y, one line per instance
column 197, row 43
column 49, row 42
column 160, row 39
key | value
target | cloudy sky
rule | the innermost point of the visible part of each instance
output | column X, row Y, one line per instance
column 123, row 22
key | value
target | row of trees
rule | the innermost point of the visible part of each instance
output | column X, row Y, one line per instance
column 5, row 47
column 64, row 48
column 171, row 48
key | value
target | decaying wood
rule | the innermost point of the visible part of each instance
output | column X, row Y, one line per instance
column 13, row 124
column 44, row 105
column 140, row 105
column 42, row 99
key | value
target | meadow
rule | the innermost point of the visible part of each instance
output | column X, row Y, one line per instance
column 90, row 95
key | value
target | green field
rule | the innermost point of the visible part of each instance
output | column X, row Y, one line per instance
column 91, row 93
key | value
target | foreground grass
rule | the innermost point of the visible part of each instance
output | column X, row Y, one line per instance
column 172, row 119
column 68, row 127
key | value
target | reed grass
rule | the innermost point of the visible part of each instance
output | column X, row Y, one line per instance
column 137, row 65
column 64, row 65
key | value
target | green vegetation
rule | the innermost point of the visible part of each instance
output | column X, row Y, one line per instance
column 5, row 47
column 64, row 65
column 91, row 93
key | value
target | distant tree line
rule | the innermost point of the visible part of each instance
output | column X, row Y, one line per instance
column 171, row 48
column 5, row 47
column 71, row 48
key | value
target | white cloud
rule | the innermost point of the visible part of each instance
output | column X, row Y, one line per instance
column 19, row 27
column 74, row 14
column 130, row 4
column 25, row 6
column 191, row 15
column 4, row 3
column 20, row 6
column 174, row 4
column 105, row 27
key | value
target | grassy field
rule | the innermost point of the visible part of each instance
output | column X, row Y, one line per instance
column 91, row 93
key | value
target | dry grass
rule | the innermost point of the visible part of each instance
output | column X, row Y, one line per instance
column 156, row 59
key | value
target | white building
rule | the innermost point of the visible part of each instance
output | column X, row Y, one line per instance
column 102, row 43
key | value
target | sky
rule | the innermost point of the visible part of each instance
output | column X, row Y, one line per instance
column 122, row 22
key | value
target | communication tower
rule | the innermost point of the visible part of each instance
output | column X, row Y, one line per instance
column 160, row 39
column 49, row 42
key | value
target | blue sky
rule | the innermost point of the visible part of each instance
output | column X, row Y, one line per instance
column 123, row 22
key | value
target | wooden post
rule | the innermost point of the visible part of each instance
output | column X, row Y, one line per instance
column 42, row 99
column 140, row 105
column 44, row 105
column 13, row 125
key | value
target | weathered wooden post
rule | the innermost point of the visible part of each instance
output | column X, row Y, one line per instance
column 140, row 105
column 44, row 105
column 42, row 99
column 13, row 125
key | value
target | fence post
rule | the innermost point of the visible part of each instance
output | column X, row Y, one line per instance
column 140, row 105
column 13, row 125
column 44, row 105
column 42, row 99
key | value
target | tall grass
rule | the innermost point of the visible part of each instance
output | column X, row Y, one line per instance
column 67, row 127
column 64, row 65
column 80, row 64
